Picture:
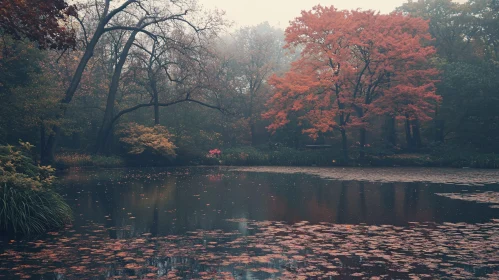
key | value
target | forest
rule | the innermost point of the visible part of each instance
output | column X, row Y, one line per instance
column 139, row 83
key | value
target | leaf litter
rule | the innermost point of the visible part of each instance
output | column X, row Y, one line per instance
column 272, row 250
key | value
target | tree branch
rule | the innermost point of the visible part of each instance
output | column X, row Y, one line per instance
column 139, row 29
column 131, row 109
column 111, row 14
column 83, row 28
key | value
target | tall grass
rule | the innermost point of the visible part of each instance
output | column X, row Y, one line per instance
column 29, row 211
column 28, row 203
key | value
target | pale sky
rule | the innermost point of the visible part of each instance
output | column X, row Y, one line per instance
column 279, row 12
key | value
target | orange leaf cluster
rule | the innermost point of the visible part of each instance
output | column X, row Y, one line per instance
column 354, row 65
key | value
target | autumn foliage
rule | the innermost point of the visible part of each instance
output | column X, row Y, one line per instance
column 139, row 139
column 354, row 65
column 42, row 21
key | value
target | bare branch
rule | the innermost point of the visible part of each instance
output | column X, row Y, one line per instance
column 142, row 8
column 111, row 14
column 139, row 29
column 83, row 28
column 131, row 109
column 59, row 58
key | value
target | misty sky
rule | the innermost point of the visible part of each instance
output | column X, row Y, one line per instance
column 280, row 12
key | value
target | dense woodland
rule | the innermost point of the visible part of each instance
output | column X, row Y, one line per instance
column 141, row 82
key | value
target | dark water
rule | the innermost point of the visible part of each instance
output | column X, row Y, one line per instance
column 175, row 201
column 155, row 208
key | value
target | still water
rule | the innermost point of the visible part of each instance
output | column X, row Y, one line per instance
column 216, row 223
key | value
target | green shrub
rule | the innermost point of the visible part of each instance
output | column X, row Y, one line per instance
column 28, row 204
column 293, row 157
column 190, row 156
column 455, row 158
column 400, row 160
column 458, row 156
column 467, row 160
column 244, row 156
column 282, row 156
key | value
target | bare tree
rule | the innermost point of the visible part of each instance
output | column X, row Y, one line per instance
column 109, row 15
column 255, row 53
column 166, row 44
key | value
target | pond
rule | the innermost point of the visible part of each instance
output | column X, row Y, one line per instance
column 261, row 223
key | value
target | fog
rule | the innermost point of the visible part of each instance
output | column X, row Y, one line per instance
column 279, row 12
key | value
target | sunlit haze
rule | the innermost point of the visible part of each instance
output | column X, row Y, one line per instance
column 279, row 12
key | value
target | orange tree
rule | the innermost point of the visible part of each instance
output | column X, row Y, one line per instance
column 354, row 65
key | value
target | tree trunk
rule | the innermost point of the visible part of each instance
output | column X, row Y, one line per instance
column 344, row 139
column 392, row 131
column 439, row 131
column 153, row 83
column 48, row 154
column 362, row 144
column 250, row 115
column 296, row 140
column 156, row 98
column 253, row 130
column 107, row 122
column 344, row 145
column 408, row 135
column 416, row 134
column 156, row 109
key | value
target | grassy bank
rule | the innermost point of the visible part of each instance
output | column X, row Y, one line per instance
column 435, row 160
column 248, row 156
column 283, row 156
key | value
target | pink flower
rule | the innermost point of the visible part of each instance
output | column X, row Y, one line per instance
column 214, row 153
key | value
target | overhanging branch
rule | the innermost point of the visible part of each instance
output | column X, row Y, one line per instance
column 136, row 107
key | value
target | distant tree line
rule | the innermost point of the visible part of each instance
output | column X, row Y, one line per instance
column 145, row 80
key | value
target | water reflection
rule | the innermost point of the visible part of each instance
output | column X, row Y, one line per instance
column 210, row 223
column 175, row 201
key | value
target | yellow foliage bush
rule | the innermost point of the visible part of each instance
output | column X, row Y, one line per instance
column 139, row 138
